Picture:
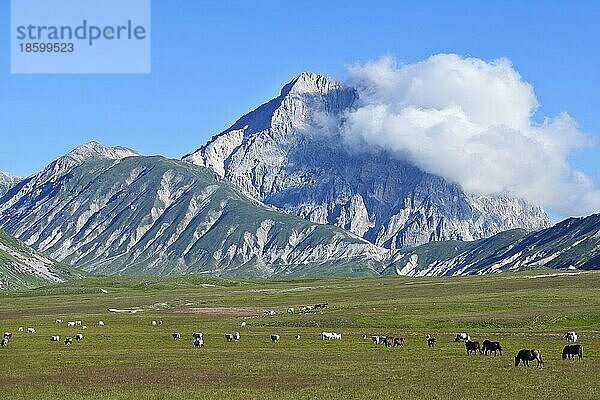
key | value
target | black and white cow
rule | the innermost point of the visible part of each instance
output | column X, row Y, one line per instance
column 4, row 342
column 55, row 338
column 176, row 335
column 79, row 337
column 197, row 335
column 229, row 337
column 275, row 338
column 68, row 340
column 198, row 342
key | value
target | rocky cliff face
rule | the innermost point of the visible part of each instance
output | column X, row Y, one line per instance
column 111, row 211
column 6, row 182
column 291, row 153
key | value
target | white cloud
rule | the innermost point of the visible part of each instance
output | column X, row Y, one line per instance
column 470, row 121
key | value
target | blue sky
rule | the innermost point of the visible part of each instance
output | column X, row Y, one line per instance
column 213, row 62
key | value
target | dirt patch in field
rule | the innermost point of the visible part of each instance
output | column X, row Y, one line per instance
column 229, row 311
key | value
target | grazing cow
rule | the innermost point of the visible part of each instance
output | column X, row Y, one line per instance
column 274, row 338
column 197, row 335
column 79, row 337
column 83, row 326
column 462, row 337
column 229, row 337
column 154, row 323
column 269, row 313
column 55, row 338
column 389, row 341
column 100, row 323
column 571, row 336
column 330, row 336
column 472, row 347
column 59, row 321
column 430, row 341
column 78, row 323
column 291, row 310
column 30, row 330
column 336, row 336
column 526, row 355
column 4, row 342
column 321, row 306
column 71, row 323
column 160, row 322
column 20, row 329
column 198, row 342
column 176, row 335
column 399, row 341
column 68, row 340
column 297, row 337
column 243, row 324
column 491, row 346
column 7, row 335
column 375, row 339
column 236, row 336
column 571, row 351
column 364, row 336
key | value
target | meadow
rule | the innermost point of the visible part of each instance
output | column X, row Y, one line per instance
column 130, row 359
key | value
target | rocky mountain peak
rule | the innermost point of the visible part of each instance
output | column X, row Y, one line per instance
column 310, row 83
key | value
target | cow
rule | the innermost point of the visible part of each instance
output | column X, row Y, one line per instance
column 462, row 337
column 375, row 339
column 100, row 323
column 160, row 322
column 68, row 340
column 83, row 326
column 330, row 336
column 30, row 330
column 399, row 341
column 4, row 342
column 71, row 323
column 198, row 342
column 491, row 346
column 243, row 324
column 154, row 323
column 176, row 335
column 430, row 340
column 79, row 337
column 78, row 323
column 275, row 338
column 321, row 306
column 269, row 313
column 571, row 336
column 7, row 335
column 291, row 310
column 571, row 351
column 236, row 336
column 336, row 336
column 472, row 347
column 197, row 335
column 55, row 338
column 20, row 329
column 526, row 355
column 229, row 337
column 59, row 321
column 297, row 337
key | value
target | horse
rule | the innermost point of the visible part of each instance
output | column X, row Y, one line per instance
column 526, row 355
column 472, row 347
column 491, row 346
column 571, row 351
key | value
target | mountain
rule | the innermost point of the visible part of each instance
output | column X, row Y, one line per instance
column 22, row 267
column 570, row 244
column 291, row 153
column 112, row 211
column 7, row 181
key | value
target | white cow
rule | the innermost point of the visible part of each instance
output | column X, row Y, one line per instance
column 243, row 324
column 462, row 337
column 160, row 322
column 78, row 323
column 20, row 329
column 291, row 310
column 79, row 337
column 375, row 339
column 83, row 326
column 330, row 336
column 275, row 338
column 154, row 323
column 229, row 337
column 59, row 321
column 30, row 330
column 236, row 336
column 176, row 335
column 55, row 338
column 71, row 323
column 336, row 336
column 4, row 342
column 571, row 336
column 198, row 342
column 197, row 335
column 297, row 337
column 100, row 323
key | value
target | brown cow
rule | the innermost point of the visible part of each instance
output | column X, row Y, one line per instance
column 389, row 341
column 399, row 341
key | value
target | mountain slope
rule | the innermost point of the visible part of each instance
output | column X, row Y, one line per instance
column 113, row 212
column 291, row 153
column 570, row 244
column 22, row 267
column 6, row 182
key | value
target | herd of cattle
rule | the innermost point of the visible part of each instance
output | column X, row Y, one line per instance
column 570, row 351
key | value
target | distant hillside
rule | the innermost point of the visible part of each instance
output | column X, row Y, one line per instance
column 570, row 244
column 23, row 267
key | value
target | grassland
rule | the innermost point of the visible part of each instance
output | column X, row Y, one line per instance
column 130, row 359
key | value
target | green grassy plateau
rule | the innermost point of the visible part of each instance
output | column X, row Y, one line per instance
column 130, row 359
